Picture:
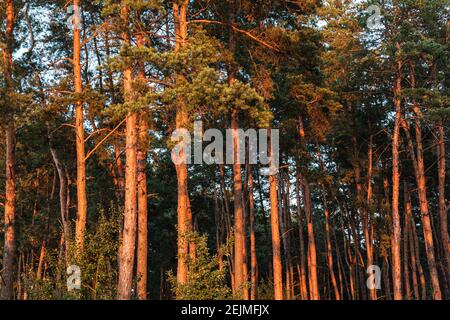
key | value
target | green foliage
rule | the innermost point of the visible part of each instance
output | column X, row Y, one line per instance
column 97, row 264
column 205, row 280
column 98, row 261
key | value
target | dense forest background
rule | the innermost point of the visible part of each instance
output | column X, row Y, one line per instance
column 94, row 207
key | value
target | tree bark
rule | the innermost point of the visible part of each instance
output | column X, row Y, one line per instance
column 408, row 248
column 302, row 272
column 127, row 247
column 238, row 210
column 182, row 119
column 9, row 250
column 396, row 232
column 142, row 250
column 312, row 255
column 443, row 207
column 79, row 133
column 422, row 191
column 276, row 245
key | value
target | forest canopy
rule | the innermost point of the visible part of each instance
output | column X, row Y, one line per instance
column 224, row 149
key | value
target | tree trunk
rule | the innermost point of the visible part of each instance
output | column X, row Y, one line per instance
column 142, row 250
column 253, row 258
column 127, row 247
column 443, row 207
column 7, row 276
column 406, row 256
column 367, row 216
column 41, row 261
column 287, row 236
column 182, row 119
column 63, row 199
column 312, row 255
column 239, row 240
column 276, row 245
column 238, row 210
column 396, row 233
column 302, row 273
column 422, row 279
column 79, row 132
column 422, row 191
column 408, row 240
column 329, row 250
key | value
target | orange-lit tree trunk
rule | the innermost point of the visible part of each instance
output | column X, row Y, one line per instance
column 127, row 247
column 406, row 236
column 422, row 191
column 312, row 255
column 443, row 207
column 276, row 244
column 302, row 272
column 396, row 232
column 41, row 261
column 182, row 118
column 142, row 241
column 408, row 228
column 9, row 249
column 245, row 271
column 239, row 240
column 79, row 132
column 238, row 211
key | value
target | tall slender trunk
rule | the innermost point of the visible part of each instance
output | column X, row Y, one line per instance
column 287, row 235
column 282, row 222
column 80, row 227
column 142, row 148
column 218, row 220
column 239, row 241
column 367, row 216
column 341, row 272
column 226, row 205
column 276, row 245
column 63, row 199
column 238, row 209
column 408, row 247
column 396, row 232
column 409, row 225
column 128, row 244
column 181, row 121
column 41, row 261
column 406, row 236
column 443, row 207
column 226, row 201
column 422, row 279
column 328, row 237
column 7, row 292
column 329, row 249
column 302, row 273
column 349, row 262
column 253, row 259
column 312, row 255
column 422, row 191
